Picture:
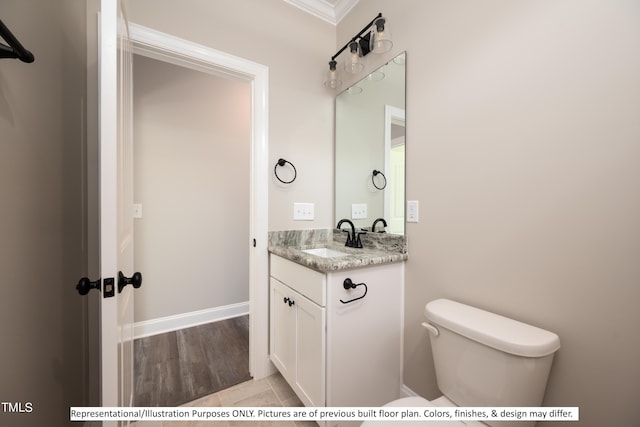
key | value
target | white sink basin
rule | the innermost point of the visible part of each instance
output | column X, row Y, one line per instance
column 325, row 252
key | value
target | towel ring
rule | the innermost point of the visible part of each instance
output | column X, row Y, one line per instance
column 376, row 173
column 282, row 162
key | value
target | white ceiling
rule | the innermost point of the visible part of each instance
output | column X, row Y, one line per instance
column 331, row 11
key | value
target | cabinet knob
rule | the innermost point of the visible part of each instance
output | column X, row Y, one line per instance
column 289, row 301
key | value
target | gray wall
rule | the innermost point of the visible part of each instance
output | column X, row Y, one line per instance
column 41, row 212
column 296, row 47
column 522, row 142
column 523, row 148
column 191, row 161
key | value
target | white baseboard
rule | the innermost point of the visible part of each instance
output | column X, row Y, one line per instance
column 186, row 320
column 407, row 392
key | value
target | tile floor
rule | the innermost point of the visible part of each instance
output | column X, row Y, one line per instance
column 270, row 391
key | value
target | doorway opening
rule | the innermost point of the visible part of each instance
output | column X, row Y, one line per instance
column 394, row 166
column 191, row 208
column 167, row 48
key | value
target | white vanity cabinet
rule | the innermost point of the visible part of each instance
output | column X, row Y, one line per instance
column 333, row 347
column 297, row 328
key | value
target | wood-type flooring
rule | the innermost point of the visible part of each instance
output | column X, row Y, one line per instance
column 177, row 367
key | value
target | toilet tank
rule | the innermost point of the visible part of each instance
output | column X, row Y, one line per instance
column 484, row 359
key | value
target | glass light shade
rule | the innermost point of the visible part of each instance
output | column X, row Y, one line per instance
column 381, row 37
column 354, row 90
column 400, row 59
column 354, row 64
column 375, row 76
column 332, row 80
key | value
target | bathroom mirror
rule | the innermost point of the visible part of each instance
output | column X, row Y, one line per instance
column 370, row 136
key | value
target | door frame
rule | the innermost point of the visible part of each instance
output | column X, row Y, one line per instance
column 392, row 115
column 168, row 48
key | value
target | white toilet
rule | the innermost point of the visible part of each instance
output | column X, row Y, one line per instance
column 482, row 359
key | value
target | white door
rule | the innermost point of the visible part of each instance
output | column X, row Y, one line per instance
column 116, row 200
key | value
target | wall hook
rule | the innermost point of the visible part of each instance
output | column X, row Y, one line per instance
column 15, row 48
column 282, row 162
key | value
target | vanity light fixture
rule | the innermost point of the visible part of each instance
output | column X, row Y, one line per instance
column 354, row 65
column 381, row 39
column 372, row 38
column 333, row 78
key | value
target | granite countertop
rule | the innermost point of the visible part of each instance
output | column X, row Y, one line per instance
column 378, row 249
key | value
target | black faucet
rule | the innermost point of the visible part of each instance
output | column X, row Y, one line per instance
column 373, row 227
column 353, row 238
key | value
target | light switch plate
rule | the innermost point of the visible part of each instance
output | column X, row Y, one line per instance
column 303, row 211
column 359, row 211
column 413, row 208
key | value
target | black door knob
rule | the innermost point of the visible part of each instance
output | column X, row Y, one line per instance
column 85, row 285
column 135, row 280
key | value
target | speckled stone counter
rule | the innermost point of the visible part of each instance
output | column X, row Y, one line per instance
column 379, row 248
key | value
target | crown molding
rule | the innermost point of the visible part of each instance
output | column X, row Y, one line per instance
column 343, row 7
column 325, row 10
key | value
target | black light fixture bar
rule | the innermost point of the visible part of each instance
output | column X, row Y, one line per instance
column 366, row 38
column 15, row 48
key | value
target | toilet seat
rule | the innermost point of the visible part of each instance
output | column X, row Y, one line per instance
column 417, row 401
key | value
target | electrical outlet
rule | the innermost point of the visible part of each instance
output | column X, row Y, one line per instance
column 359, row 211
column 413, row 211
column 303, row 211
column 137, row 210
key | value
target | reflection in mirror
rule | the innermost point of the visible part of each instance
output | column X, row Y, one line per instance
column 370, row 136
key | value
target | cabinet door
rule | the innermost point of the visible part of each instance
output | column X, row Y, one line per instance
column 364, row 353
column 282, row 330
column 310, row 343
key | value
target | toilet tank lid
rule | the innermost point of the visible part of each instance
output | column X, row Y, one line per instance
column 493, row 330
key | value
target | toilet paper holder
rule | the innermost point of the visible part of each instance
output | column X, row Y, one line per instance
column 348, row 284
